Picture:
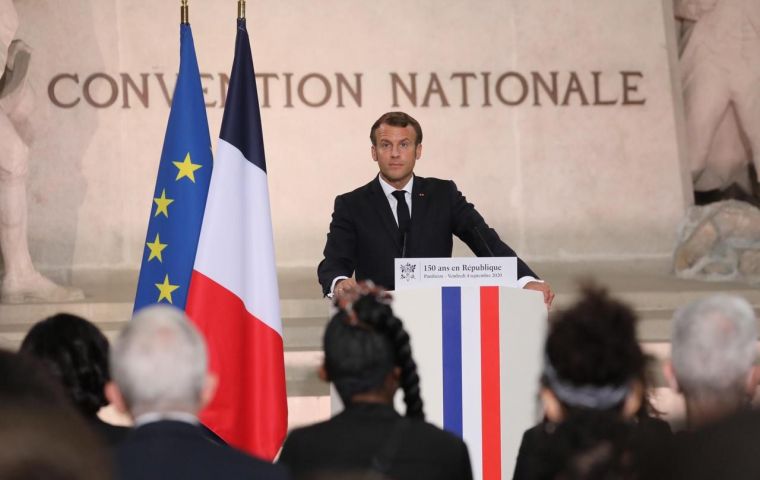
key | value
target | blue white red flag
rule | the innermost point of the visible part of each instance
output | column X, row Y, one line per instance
column 234, row 297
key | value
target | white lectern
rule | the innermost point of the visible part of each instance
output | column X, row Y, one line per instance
column 479, row 353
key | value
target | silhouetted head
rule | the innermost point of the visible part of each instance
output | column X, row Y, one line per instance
column 367, row 350
column 25, row 381
column 714, row 348
column 160, row 364
column 593, row 360
column 76, row 353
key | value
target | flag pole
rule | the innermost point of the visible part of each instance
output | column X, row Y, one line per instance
column 241, row 9
column 184, row 13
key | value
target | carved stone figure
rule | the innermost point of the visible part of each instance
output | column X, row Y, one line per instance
column 720, row 71
column 21, row 281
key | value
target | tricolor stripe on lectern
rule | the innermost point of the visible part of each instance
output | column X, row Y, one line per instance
column 233, row 296
column 471, row 379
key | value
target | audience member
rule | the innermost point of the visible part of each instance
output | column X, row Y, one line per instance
column 714, row 348
column 593, row 390
column 76, row 354
column 49, row 444
column 23, row 381
column 41, row 435
column 367, row 357
column 160, row 378
column 724, row 449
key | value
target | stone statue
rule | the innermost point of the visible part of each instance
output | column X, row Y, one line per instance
column 720, row 71
column 21, row 281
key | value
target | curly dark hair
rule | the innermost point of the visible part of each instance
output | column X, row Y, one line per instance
column 363, row 342
column 593, row 342
column 76, row 353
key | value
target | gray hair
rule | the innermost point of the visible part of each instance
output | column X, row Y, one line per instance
column 714, row 346
column 159, row 362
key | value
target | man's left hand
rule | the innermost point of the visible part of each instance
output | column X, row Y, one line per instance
column 544, row 288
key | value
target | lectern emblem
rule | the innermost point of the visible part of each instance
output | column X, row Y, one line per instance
column 407, row 271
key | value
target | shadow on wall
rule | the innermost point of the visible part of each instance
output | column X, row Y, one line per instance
column 56, row 186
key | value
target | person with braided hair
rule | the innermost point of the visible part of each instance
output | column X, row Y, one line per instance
column 368, row 357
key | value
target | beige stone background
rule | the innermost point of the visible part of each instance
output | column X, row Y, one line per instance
column 558, row 182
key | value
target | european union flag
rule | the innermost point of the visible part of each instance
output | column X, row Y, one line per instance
column 182, row 184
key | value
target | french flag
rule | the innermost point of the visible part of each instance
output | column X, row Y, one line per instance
column 233, row 297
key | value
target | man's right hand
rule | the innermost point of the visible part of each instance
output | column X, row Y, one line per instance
column 343, row 287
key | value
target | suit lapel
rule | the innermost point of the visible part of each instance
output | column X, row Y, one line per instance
column 383, row 209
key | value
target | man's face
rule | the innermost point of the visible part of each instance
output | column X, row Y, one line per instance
column 396, row 153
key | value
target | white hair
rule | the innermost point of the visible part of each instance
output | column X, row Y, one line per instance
column 714, row 346
column 159, row 362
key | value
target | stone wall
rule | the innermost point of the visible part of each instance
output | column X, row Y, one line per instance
column 559, row 121
column 720, row 241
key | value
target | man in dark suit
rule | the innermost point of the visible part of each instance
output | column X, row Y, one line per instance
column 160, row 378
column 398, row 214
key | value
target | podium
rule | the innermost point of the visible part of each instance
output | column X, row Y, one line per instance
column 478, row 343
column 479, row 352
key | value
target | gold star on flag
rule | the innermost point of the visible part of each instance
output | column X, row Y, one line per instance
column 165, row 289
column 162, row 204
column 156, row 247
column 186, row 168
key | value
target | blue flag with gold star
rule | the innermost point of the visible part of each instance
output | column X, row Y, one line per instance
column 181, row 189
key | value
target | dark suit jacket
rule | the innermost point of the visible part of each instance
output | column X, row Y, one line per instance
column 364, row 237
column 539, row 451
column 171, row 449
column 111, row 435
column 352, row 440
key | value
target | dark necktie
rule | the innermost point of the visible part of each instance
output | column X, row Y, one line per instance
column 402, row 211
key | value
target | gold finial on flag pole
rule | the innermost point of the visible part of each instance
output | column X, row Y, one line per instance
column 241, row 9
column 184, row 13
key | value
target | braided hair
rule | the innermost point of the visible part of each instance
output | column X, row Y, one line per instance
column 364, row 341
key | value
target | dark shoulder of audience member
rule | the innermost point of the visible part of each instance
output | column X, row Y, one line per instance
column 588, row 447
column 41, row 434
column 75, row 352
column 726, row 449
column 49, row 444
column 596, row 370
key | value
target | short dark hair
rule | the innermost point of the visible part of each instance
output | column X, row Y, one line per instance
column 396, row 119
column 76, row 353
